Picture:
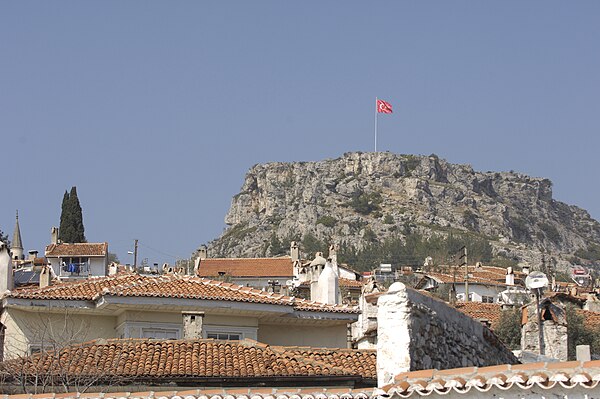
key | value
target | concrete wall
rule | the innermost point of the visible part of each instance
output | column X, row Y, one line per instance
column 98, row 266
column 26, row 329
column 319, row 336
column 417, row 332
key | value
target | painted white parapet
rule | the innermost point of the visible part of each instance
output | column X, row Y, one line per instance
column 6, row 270
column 418, row 332
column 393, row 338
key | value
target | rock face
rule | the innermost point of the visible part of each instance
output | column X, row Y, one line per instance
column 365, row 193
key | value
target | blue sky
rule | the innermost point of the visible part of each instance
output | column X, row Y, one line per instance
column 156, row 110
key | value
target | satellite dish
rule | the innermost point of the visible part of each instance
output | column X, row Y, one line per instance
column 536, row 280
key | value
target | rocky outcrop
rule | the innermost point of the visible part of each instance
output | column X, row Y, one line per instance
column 383, row 193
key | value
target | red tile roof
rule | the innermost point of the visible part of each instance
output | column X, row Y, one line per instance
column 196, row 360
column 490, row 275
column 214, row 393
column 481, row 311
column 247, row 267
column 168, row 286
column 565, row 375
column 343, row 282
column 77, row 249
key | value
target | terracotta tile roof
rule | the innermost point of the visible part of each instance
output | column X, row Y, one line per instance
column 78, row 249
column 196, row 360
column 247, row 267
column 168, row 286
column 216, row 393
column 479, row 311
column 363, row 362
column 344, row 282
column 538, row 376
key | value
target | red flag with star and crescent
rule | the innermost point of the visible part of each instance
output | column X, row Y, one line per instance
column 383, row 107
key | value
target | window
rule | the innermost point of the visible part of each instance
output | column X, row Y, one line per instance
column 140, row 329
column 487, row 299
column 229, row 332
column 160, row 333
column 225, row 335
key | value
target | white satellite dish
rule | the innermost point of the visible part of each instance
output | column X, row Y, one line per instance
column 536, row 280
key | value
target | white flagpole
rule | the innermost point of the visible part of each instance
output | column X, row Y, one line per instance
column 375, row 124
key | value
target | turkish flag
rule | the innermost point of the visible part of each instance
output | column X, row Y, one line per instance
column 383, row 107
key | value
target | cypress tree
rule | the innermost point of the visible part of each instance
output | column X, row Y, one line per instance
column 71, row 219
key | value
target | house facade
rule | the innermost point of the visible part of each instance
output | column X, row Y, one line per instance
column 78, row 260
column 486, row 284
column 130, row 305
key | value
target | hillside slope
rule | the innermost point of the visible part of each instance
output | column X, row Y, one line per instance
column 361, row 198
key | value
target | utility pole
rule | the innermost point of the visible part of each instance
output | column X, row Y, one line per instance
column 135, row 247
column 465, row 263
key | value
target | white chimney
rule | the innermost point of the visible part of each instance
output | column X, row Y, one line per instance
column 45, row 276
column 54, row 235
column 6, row 269
column 33, row 254
column 294, row 251
column 510, row 276
column 328, row 290
column 333, row 254
column 202, row 252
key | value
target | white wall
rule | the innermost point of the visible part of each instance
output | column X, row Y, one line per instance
column 32, row 328
column 292, row 335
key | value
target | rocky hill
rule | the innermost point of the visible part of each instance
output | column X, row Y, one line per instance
column 363, row 198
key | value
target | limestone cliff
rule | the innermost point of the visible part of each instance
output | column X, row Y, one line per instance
column 384, row 193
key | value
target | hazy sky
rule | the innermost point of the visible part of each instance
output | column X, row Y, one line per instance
column 156, row 110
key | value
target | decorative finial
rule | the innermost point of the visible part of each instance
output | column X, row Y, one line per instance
column 17, row 214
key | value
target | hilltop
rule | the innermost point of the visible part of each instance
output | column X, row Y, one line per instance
column 365, row 201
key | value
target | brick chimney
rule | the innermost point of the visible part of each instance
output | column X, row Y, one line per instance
column 192, row 325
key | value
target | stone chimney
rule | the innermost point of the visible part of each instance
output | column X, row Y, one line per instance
column 510, row 276
column 45, row 276
column 294, row 251
column 32, row 254
column 192, row 325
column 553, row 336
column 54, row 235
column 6, row 269
column 526, row 269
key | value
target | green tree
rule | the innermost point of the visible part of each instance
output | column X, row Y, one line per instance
column 71, row 219
column 579, row 334
column 509, row 328
column 312, row 245
column 4, row 238
column 276, row 246
column 113, row 258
